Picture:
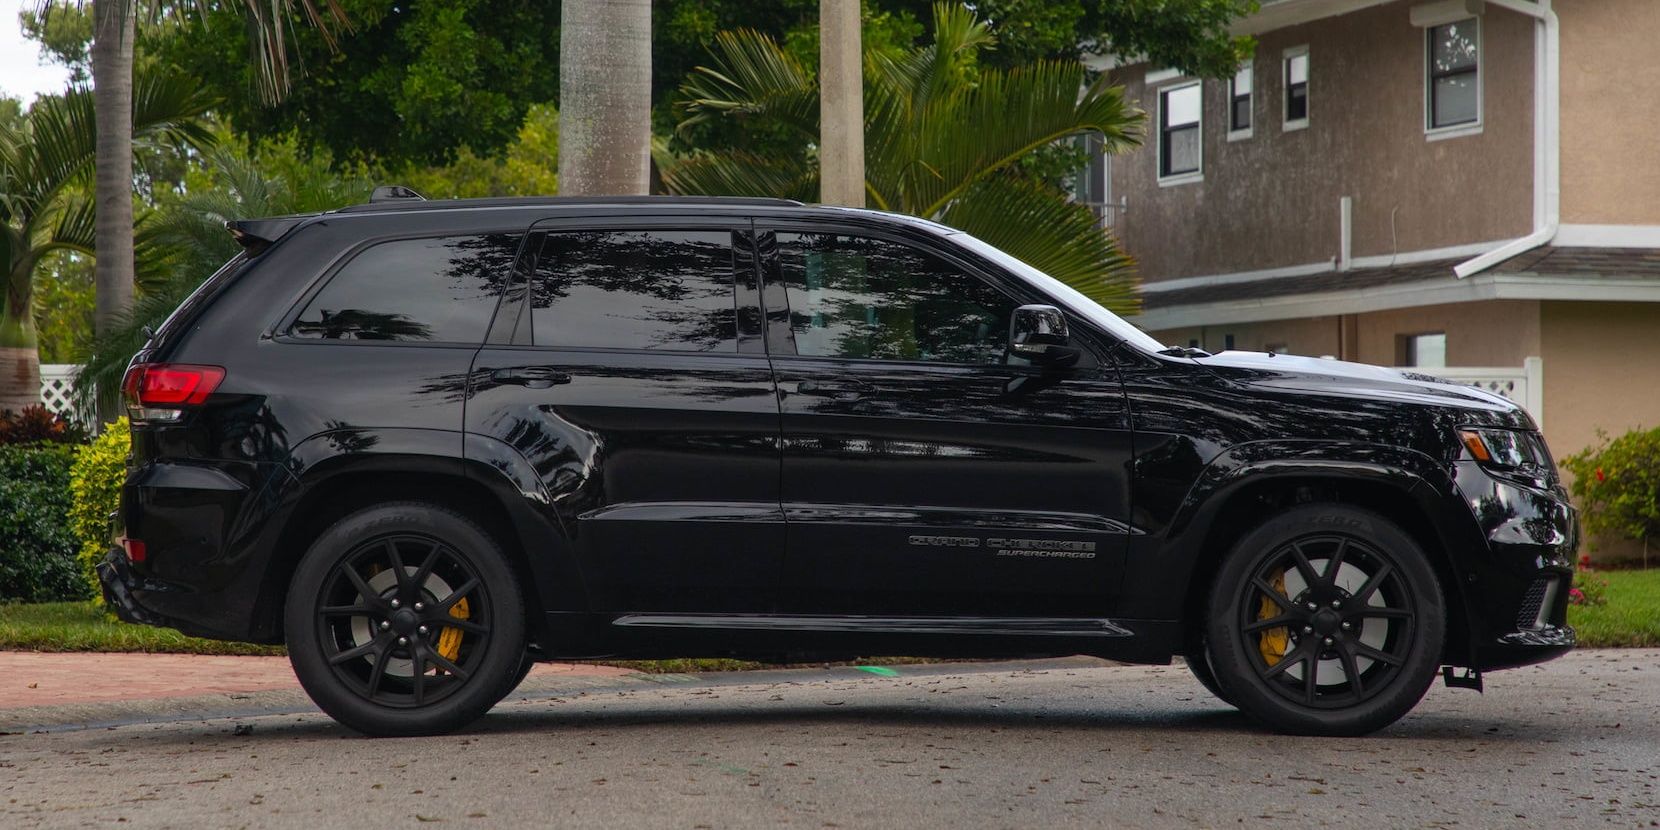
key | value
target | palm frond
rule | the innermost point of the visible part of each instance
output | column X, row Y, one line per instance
column 69, row 224
column 743, row 174
column 1038, row 225
column 1011, row 113
column 270, row 23
column 751, row 75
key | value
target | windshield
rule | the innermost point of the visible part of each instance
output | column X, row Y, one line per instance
column 1069, row 297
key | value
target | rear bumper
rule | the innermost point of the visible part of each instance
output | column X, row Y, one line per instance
column 122, row 589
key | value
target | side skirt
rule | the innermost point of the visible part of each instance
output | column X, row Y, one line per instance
column 816, row 637
column 1007, row 626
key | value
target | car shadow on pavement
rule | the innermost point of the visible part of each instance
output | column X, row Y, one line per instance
column 573, row 718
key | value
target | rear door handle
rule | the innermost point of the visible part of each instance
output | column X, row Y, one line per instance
column 841, row 390
column 531, row 377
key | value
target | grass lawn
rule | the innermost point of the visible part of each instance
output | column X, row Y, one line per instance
column 1631, row 618
column 81, row 626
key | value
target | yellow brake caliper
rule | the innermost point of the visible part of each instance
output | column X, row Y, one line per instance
column 1274, row 641
column 449, row 640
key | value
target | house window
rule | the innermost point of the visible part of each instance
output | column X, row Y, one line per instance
column 1296, row 88
column 1454, row 68
column 1424, row 350
column 1179, row 114
column 1239, row 103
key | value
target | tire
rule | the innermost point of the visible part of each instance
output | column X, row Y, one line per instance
column 1354, row 650
column 1199, row 664
column 423, row 653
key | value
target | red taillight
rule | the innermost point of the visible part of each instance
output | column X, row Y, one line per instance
column 170, row 384
column 135, row 549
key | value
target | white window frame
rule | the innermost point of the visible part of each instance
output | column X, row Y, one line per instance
column 1248, row 67
column 1158, row 129
column 1432, row 132
column 1287, row 124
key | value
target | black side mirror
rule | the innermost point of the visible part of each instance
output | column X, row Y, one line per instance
column 1038, row 334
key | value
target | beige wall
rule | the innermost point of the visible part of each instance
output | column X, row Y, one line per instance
column 1495, row 333
column 1272, row 200
column 1610, row 111
column 1601, row 365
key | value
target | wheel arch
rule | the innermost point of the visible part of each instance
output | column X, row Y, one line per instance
column 338, row 485
column 1402, row 486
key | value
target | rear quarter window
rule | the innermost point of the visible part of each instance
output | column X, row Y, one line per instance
column 431, row 290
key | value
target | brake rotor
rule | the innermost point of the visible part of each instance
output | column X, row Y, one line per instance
column 1374, row 631
column 449, row 639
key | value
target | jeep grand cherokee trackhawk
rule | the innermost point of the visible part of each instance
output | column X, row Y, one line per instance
column 425, row 443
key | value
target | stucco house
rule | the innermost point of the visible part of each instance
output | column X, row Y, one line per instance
column 1471, row 187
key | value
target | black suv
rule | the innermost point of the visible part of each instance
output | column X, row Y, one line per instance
column 425, row 443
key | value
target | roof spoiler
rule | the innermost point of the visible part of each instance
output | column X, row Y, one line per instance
column 255, row 235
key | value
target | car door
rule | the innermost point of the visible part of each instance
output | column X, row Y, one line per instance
column 626, row 365
column 924, row 471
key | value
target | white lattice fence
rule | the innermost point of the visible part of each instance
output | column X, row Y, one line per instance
column 57, row 390
column 1524, row 385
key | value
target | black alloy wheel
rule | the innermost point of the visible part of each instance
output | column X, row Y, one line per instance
column 405, row 619
column 1327, row 619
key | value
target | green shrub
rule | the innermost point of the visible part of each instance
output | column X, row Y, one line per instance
column 95, row 483
column 37, row 549
column 1617, row 486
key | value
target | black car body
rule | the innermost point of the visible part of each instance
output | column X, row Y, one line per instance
column 761, row 429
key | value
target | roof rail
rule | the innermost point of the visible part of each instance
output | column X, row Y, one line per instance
column 417, row 203
column 394, row 193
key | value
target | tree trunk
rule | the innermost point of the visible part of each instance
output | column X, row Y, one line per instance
column 112, row 96
column 604, row 97
column 841, row 105
column 19, row 359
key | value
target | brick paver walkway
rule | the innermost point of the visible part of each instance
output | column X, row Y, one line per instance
column 38, row 679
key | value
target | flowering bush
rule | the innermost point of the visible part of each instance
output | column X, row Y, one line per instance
column 35, row 424
column 1589, row 588
column 1617, row 486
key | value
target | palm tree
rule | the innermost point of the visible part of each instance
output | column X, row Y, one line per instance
column 943, row 140
column 45, row 163
column 113, row 23
column 184, row 242
column 604, row 97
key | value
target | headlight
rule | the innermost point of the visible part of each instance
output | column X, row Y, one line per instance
column 1505, row 449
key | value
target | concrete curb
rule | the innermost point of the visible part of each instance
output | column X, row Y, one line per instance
column 70, row 717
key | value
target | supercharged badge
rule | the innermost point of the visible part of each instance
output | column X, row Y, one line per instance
column 1043, row 548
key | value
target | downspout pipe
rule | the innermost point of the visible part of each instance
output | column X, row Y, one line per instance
column 1547, row 137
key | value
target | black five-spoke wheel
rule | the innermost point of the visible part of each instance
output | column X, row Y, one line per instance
column 405, row 619
column 401, row 620
column 1327, row 619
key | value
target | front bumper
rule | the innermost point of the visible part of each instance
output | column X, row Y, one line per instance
column 1516, row 590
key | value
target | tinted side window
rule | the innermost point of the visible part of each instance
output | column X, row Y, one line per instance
column 859, row 297
column 635, row 289
column 437, row 290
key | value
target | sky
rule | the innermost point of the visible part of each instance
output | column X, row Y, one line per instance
column 23, row 74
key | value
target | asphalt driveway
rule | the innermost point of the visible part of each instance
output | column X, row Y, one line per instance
column 1044, row 744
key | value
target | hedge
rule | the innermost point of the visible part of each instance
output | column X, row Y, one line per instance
column 37, row 545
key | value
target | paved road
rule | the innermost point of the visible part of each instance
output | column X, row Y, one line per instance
column 1050, row 744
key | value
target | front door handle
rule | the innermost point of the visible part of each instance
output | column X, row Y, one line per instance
column 530, row 377
column 841, row 390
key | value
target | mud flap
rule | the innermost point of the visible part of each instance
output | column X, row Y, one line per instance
column 1461, row 679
